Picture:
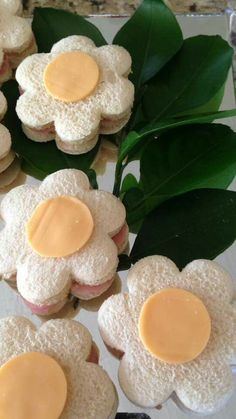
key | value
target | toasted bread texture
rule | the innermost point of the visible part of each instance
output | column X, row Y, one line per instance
column 78, row 124
column 91, row 393
column 203, row 385
column 48, row 280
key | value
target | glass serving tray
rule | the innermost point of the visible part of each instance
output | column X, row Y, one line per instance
column 86, row 312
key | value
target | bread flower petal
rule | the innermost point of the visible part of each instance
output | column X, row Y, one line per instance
column 85, row 383
column 11, row 6
column 38, row 114
column 69, row 343
column 72, row 43
column 96, row 262
column 151, row 274
column 52, row 335
column 139, row 377
column 114, row 312
column 30, row 73
column 65, row 182
column 115, row 58
column 208, row 279
column 41, row 281
column 15, row 32
column 77, row 122
column 101, row 203
column 204, row 386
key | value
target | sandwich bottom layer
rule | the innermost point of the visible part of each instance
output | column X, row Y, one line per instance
column 79, row 290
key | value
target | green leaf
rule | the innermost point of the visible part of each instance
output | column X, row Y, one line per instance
column 51, row 25
column 129, row 182
column 190, row 79
column 152, row 36
column 129, row 146
column 200, row 224
column 187, row 158
column 39, row 159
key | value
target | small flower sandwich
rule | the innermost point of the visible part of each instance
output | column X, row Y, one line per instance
column 9, row 163
column 176, row 333
column 74, row 93
column 52, row 372
column 60, row 238
column 16, row 38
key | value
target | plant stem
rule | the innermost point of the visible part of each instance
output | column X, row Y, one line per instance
column 118, row 177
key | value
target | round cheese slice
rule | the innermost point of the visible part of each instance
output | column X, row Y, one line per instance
column 71, row 76
column 32, row 386
column 174, row 325
column 59, row 226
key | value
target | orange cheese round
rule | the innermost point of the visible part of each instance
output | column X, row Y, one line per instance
column 174, row 325
column 59, row 226
column 32, row 386
column 71, row 76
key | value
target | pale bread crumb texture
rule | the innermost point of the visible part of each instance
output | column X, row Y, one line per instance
column 14, row 7
column 5, row 141
column 10, row 174
column 15, row 32
column 203, row 385
column 91, row 394
column 76, row 123
column 6, row 161
column 47, row 281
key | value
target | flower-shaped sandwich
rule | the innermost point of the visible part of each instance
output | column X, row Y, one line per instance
column 51, row 372
column 74, row 93
column 176, row 332
column 9, row 163
column 59, row 238
column 16, row 38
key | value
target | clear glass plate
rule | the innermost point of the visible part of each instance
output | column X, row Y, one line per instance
column 11, row 303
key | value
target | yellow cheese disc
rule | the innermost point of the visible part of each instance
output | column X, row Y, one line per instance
column 174, row 325
column 32, row 386
column 59, row 226
column 71, row 76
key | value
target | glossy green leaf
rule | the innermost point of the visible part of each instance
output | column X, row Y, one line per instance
column 133, row 139
column 191, row 79
column 51, row 25
column 39, row 159
column 200, row 224
column 152, row 36
column 198, row 156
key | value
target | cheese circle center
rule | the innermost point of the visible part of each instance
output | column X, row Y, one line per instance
column 174, row 325
column 32, row 385
column 71, row 76
column 59, row 226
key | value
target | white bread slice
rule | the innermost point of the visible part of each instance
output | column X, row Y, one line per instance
column 81, row 122
column 16, row 37
column 3, row 106
column 15, row 33
column 48, row 280
column 6, row 161
column 40, row 136
column 91, row 393
column 14, row 7
column 203, row 385
column 10, row 174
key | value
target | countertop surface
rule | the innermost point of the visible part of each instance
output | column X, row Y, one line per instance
column 86, row 7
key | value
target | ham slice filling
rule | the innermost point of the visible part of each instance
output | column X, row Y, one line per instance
column 84, row 292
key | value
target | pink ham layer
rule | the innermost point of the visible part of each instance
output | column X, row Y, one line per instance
column 121, row 237
column 5, row 67
column 84, row 292
column 45, row 310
